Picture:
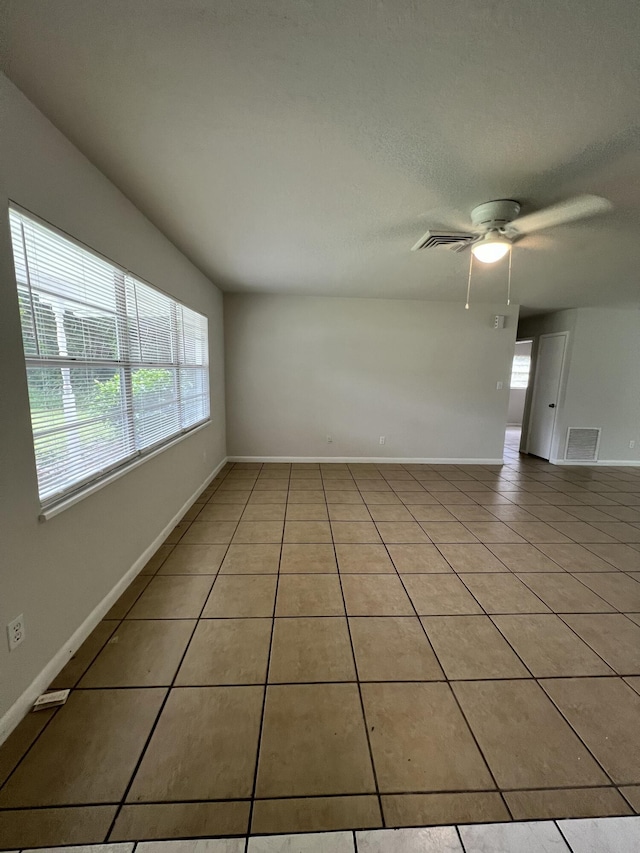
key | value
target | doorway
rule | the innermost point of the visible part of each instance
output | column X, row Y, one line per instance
column 546, row 393
column 520, row 371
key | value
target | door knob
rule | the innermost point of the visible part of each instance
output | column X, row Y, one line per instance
column 552, row 405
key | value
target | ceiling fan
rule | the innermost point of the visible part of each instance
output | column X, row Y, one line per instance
column 497, row 226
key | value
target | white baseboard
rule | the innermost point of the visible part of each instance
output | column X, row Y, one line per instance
column 378, row 460
column 617, row 463
column 40, row 683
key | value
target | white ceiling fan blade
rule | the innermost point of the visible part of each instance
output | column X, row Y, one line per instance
column 559, row 214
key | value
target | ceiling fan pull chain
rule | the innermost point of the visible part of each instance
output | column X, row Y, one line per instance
column 469, row 281
column 509, row 278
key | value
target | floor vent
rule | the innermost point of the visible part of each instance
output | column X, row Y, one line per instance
column 582, row 444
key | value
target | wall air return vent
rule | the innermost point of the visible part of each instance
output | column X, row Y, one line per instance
column 582, row 444
column 454, row 240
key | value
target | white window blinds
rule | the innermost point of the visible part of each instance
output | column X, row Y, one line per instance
column 115, row 368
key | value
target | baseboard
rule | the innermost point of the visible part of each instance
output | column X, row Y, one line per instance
column 611, row 463
column 40, row 683
column 378, row 460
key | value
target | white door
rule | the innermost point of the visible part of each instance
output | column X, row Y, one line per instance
column 546, row 392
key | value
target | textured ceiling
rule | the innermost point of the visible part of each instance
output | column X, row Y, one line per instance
column 294, row 146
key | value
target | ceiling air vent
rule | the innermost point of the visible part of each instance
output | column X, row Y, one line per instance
column 582, row 444
column 448, row 239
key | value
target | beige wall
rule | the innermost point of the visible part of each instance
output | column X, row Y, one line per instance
column 57, row 572
column 422, row 374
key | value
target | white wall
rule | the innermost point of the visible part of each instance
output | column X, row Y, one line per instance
column 422, row 374
column 602, row 377
column 57, row 572
column 517, row 396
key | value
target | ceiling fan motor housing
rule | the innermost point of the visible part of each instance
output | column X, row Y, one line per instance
column 493, row 215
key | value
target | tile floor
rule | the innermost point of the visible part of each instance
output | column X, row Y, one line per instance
column 351, row 647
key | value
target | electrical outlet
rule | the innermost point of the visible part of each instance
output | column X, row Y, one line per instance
column 632, row 444
column 329, row 439
column 15, row 632
column 382, row 439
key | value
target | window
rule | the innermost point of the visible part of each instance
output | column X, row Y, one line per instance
column 115, row 368
column 520, row 371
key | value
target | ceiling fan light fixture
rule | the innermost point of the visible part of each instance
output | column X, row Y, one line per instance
column 491, row 248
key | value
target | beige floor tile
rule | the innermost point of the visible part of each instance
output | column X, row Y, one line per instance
column 525, row 558
column 447, row 532
column 472, row 647
column 434, row 809
column 180, row 820
column 264, row 512
column 251, row 560
column 564, row 594
column 313, row 742
column 20, row 739
column 523, row 737
column 172, row 597
column 305, row 483
column 277, row 497
column 307, row 512
column 309, row 595
column 143, row 653
column 418, row 559
column 635, row 617
column 401, row 532
column 548, row 647
column 393, row 648
column 307, row 532
column 196, row 725
column 566, row 803
column 575, row 558
column 237, row 596
column 83, row 658
column 471, row 558
column 380, row 498
column 613, row 636
column 308, row 559
column 605, row 713
column 52, row 827
column 360, row 532
column 128, row 598
column 432, row 512
column 316, row 814
column 375, row 595
column 537, row 532
column 340, row 497
column 493, row 531
column 227, row 651
column 314, row 496
column 221, row 512
column 623, row 557
column 188, row 559
column 157, row 560
column 503, row 593
column 440, row 595
column 580, row 531
column 209, row 533
column 349, row 512
column 311, row 649
column 258, row 532
column 356, row 559
column 414, row 730
column 104, row 730
column 632, row 794
column 614, row 587
column 509, row 513
column 551, row 514
column 471, row 512
column 390, row 513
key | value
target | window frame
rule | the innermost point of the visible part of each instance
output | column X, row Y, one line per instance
column 136, row 455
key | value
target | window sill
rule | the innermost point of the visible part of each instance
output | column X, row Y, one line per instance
column 64, row 503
